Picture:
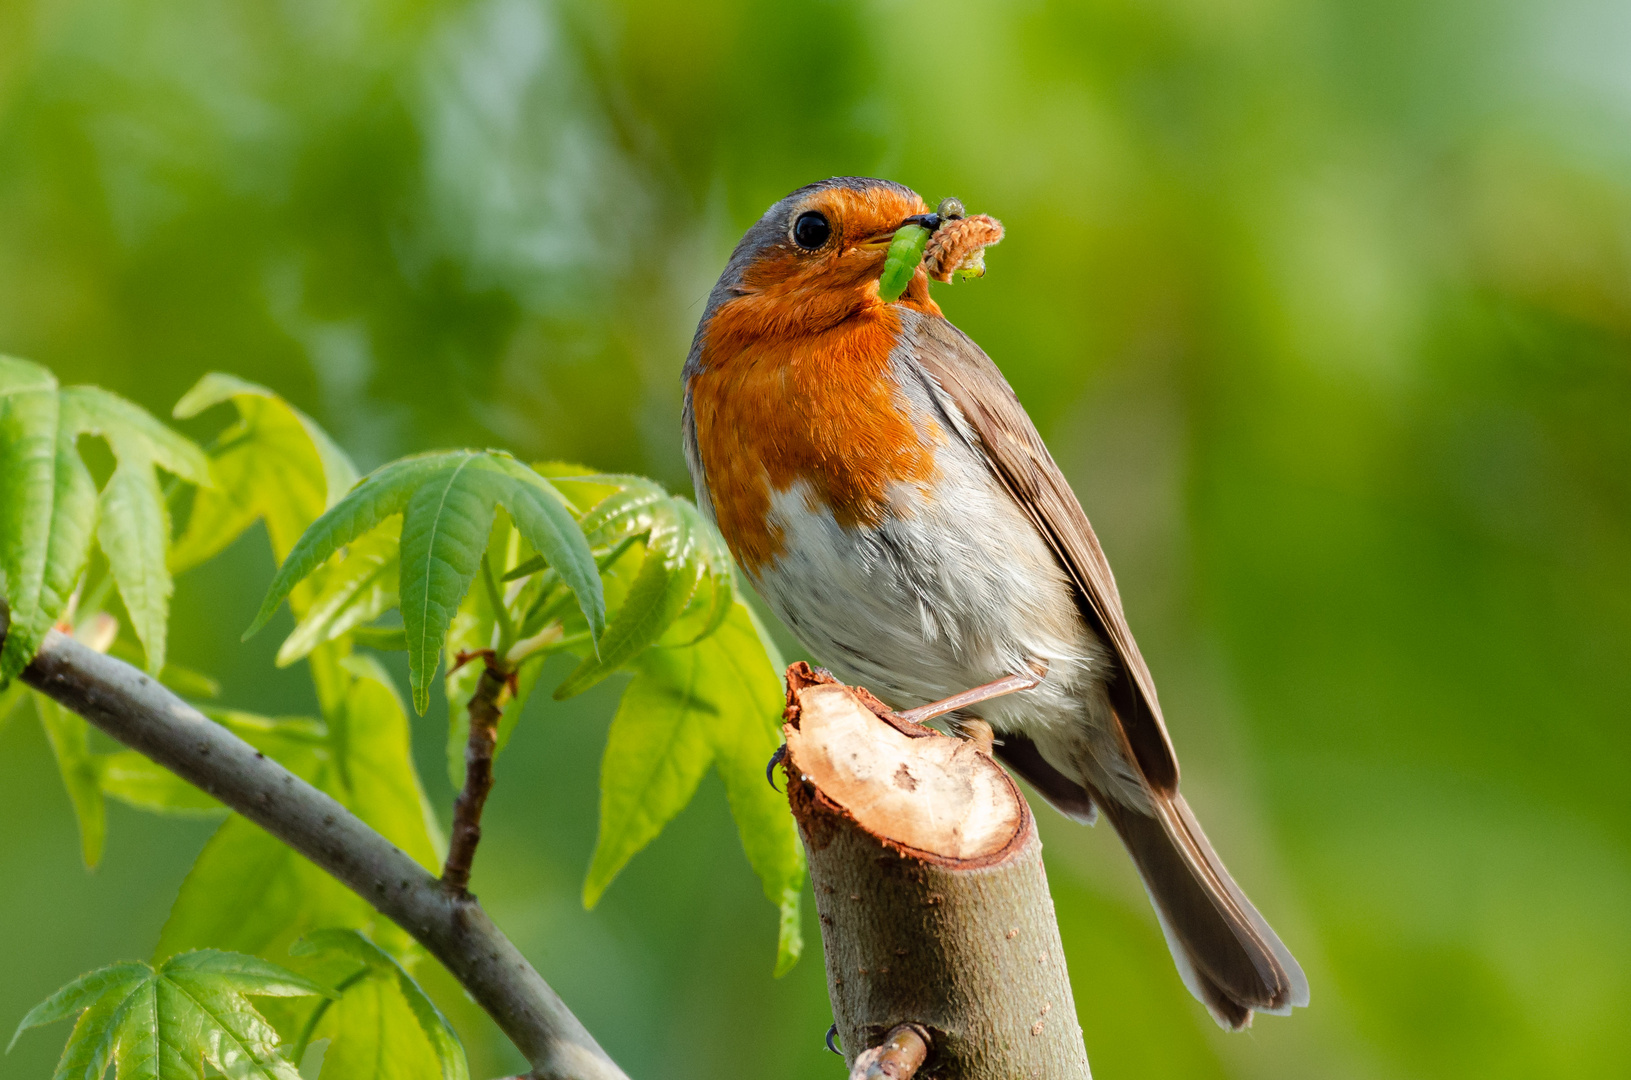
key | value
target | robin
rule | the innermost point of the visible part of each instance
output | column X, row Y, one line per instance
column 886, row 493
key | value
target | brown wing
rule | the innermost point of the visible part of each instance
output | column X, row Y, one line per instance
column 1023, row 464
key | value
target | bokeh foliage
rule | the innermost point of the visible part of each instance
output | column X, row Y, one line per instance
column 1325, row 308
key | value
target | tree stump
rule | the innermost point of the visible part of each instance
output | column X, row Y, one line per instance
column 929, row 883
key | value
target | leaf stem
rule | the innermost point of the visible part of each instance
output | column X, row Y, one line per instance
column 316, row 1017
column 501, row 610
column 486, row 708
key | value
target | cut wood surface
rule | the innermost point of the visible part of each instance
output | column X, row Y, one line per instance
column 929, row 883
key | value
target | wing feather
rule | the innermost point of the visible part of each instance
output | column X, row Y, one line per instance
column 1021, row 461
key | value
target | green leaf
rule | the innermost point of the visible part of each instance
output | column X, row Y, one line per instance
column 448, row 502
column 165, row 1024
column 21, row 377
column 133, row 523
column 251, row 892
column 717, row 702
column 137, row 781
column 374, row 748
column 681, row 549
column 47, row 510
column 657, row 751
column 80, row 994
column 133, row 530
column 373, row 1035
column 273, row 465
column 91, row 1042
column 247, row 890
column 239, row 973
column 357, row 591
column 134, row 433
column 746, row 732
column 370, row 1040
column 69, row 737
column 660, row 593
column 49, row 507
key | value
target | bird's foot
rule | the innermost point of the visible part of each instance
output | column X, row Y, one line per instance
column 770, row 766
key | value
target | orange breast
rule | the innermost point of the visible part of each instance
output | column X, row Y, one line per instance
column 821, row 408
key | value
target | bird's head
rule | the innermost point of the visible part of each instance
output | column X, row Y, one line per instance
column 813, row 260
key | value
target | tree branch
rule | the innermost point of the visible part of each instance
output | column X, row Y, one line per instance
column 939, row 930
column 486, row 709
column 138, row 712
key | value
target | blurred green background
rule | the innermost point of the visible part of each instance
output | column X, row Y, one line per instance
column 1325, row 308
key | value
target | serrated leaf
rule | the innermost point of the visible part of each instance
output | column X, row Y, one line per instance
column 91, row 1042
column 165, row 1024
column 80, row 994
column 49, row 506
column 661, row 591
column 358, row 590
column 717, row 702
column 448, row 502
column 133, row 523
column 134, row 433
column 370, row 1040
column 239, row 973
column 133, row 529
column 47, row 509
column 682, row 549
column 657, row 751
column 746, row 732
column 69, row 737
column 274, row 464
column 181, row 1019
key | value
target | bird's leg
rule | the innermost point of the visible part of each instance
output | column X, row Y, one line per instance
column 1008, row 684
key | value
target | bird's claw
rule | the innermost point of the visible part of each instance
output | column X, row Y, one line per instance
column 770, row 766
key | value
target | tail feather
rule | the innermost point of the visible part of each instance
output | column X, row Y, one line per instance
column 1229, row 956
column 1224, row 950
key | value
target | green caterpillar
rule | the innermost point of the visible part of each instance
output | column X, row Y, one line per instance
column 905, row 252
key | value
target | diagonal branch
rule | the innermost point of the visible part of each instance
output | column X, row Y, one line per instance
column 135, row 710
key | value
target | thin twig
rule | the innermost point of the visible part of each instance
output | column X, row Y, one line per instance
column 138, row 712
column 486, row 709
column 898, row 1058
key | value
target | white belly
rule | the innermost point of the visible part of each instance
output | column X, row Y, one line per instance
column 948, row 593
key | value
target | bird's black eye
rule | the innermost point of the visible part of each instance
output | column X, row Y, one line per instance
column 811, row 230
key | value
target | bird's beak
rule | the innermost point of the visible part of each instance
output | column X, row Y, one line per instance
column 882, row 240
